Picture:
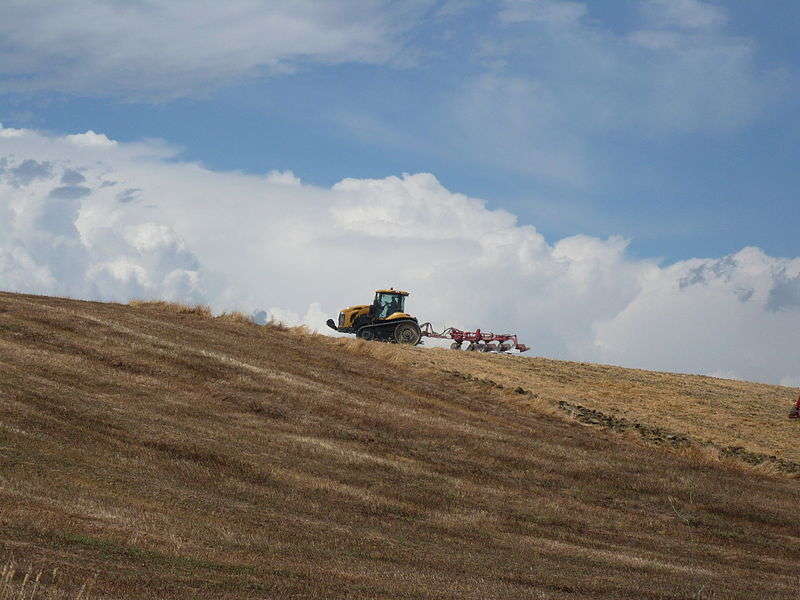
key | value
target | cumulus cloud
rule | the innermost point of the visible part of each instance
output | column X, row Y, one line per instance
column 716, row 312
column 27, row 171
column 278, row 248
column 169, row 48
column 90, row 138
column 62, row 233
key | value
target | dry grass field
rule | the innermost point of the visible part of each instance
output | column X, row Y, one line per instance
column 725, row 412
column 152, row 451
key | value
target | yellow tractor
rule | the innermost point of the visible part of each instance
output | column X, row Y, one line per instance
column 384, row 320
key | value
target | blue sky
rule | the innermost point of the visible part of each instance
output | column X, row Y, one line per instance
column 615, row 181
column 717, row 174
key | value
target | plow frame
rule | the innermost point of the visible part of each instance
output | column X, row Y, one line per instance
column 473, row 337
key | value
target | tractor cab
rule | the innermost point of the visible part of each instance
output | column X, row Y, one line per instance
column 387, row 303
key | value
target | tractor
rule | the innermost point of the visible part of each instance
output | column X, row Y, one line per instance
column 384, row 320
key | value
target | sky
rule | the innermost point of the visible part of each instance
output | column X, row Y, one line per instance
column 613, row 180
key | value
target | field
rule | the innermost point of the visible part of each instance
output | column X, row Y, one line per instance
column 727, row 414
column 153, row 451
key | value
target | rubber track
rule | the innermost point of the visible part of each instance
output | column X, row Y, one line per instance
column 391, row 326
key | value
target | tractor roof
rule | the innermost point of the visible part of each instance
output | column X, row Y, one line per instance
column 392, row 291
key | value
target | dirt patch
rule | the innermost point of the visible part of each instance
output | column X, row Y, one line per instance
column 660, row 436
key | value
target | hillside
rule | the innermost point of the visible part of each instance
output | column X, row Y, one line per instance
column 737, row 417
column 150, row 452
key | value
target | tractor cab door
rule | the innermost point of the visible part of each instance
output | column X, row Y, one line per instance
column 387, row 304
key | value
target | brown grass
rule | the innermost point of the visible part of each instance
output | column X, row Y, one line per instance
column 236, row 317
column 199, row 310
column 28, row 582
column 390, row 353
column 725, row 412
column 182, row 456
column 272, row 323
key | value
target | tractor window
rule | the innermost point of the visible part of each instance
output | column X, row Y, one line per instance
column 386, row 304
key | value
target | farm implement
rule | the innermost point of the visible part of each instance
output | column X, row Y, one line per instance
column 385, row 320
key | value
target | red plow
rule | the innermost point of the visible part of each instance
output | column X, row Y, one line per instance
column 477, row 341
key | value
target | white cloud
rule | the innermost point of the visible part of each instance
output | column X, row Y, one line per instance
column 711, row 315
column 314, row 318
column 449, row 8
column 283, row 177
column 63, row 232
column 8, row 132
column 555, row 80
column 520, row 123
column 689, row 14
column 550, row 79
column 299, row 253
column 545, row 11
column 90, row 138
column 161, row 48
